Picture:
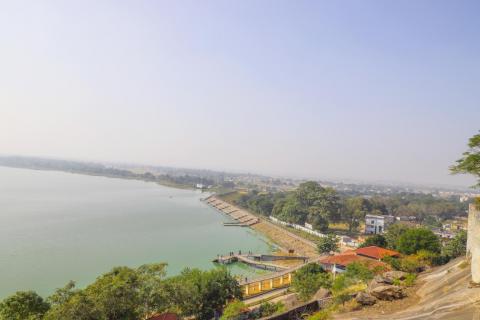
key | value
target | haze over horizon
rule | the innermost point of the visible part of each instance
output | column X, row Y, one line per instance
column 370, row 91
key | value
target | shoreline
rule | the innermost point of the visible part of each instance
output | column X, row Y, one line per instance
column 283, row 239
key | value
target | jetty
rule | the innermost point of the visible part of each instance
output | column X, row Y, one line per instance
column 259, row 261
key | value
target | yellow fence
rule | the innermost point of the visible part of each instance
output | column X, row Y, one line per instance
column 264, row 285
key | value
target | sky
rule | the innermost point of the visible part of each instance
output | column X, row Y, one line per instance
column 357, row 90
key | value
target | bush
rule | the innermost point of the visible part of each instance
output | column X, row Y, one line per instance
column 267, row 309
column 359, row 271
column 234, row 310
column 410, row 279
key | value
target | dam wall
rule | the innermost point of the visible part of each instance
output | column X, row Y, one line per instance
column 473, row 242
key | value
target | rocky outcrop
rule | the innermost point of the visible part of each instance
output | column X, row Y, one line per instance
column 365, row 299
column 387, row 292
column 392, row 275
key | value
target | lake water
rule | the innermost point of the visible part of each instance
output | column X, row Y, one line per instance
column 56, row 227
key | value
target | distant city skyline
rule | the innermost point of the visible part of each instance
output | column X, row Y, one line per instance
column 360, row 91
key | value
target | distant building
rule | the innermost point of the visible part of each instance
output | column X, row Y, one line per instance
column 375, row 224
column 200, row 186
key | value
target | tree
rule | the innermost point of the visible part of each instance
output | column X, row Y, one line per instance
column 470, row 162
column 23, row 305
column 116, row 294
column 327, row 244
column 413, row 240
column 355, row 210
column 309, row 278
column 202, row 294
column 376, row 240
column 78, row 307
column 457, row 246
column 393, row 234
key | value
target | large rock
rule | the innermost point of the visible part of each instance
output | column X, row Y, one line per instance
column 321, row 294
column 365, row 299
column 387, row 292
column 381, row 279
column 392, row 275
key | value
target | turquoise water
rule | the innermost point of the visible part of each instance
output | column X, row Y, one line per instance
column 56, row 227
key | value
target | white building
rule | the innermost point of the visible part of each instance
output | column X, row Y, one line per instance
column 377, row 224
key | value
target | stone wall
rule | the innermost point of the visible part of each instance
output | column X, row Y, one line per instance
column 473, row 242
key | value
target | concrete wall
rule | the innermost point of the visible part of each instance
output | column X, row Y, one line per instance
column 473, row 242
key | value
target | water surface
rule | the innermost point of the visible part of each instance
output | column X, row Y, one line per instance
column 57, row 226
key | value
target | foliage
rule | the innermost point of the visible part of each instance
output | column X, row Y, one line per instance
column 125, row 293
column 457, row 246
column 327, row 244
column 309, row 278
column 470, row 162
column 270, row 308
column 23, row 305
column 358, row 271
column 376, row 240
column 393, row 234
column 413, row 240
column 233, row 310
column 410, row 279
column 201, row 293
column 321, row 315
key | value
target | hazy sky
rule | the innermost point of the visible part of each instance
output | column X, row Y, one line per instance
column 371, row 90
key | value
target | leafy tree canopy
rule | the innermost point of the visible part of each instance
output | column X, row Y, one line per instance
column 416, row 239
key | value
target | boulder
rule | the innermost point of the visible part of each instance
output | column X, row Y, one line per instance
column 365, row 299
column 387, row 292
column 392, row 275
column 321, row 294
column 381, row 279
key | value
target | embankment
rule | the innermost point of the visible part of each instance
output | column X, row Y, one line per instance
column 282, row 238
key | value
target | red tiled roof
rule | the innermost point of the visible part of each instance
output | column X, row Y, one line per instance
column 344, row 259
column 165, row 316
column 375, row 252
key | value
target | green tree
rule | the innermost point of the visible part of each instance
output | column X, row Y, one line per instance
column 309, row 278
column 116, row 294
column 202, row 293
column 457, row 246
column 327, row 244
column 393, row 234
column 413, row 240
column 355, row 210
column 78, row 307
column 376, row 240
column 470, row 161
column 23, row 305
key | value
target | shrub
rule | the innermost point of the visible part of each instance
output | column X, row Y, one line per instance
column 233, row 310
column 410, row 279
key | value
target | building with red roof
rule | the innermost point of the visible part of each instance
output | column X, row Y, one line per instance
column 369, row 256
column 377, row 253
